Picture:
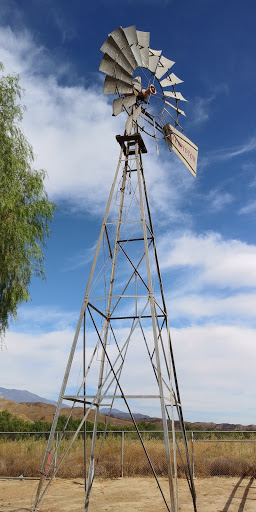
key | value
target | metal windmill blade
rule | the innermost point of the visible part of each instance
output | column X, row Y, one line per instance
column 141, row 78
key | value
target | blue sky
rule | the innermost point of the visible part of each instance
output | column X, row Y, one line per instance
column 204, row 227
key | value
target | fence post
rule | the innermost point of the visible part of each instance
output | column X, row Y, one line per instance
column 55, row 455
column 192, row 454
column 122, row 455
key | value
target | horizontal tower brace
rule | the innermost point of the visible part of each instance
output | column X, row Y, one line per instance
column 82, row 397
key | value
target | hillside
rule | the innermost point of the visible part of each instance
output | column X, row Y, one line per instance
column 44, row 412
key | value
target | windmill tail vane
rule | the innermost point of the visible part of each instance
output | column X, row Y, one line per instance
column 122, row 338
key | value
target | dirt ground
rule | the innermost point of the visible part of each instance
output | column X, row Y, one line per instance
column 215, row 494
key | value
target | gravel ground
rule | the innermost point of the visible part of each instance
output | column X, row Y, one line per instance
column 215, row 494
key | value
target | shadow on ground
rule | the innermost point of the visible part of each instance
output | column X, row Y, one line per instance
column 233, row 496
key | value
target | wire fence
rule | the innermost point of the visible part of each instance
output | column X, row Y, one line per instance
column 121, row 455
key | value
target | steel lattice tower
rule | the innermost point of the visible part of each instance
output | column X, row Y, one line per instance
column 124, row 319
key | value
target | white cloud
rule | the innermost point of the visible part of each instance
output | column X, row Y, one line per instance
column 80, row 259
column 35, row 362
column 249, row 167
column 217, row 200
column 215, row 365
column 208, row 358
column 247, row 147
column 248, row 208
column 70, row 127
column 202, row 106
column 201, row 109
column 226, row 154
column 72, row 131
column 65, row 26
column 240, row 307
column 73, row 135
column 216, row 261
column 34, row 319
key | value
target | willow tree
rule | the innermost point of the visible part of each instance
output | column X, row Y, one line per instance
column 25, row 210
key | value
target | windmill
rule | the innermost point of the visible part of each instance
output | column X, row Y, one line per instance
column 123, row 321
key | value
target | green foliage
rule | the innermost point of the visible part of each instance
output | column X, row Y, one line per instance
column 144, row 425
column 193, row 428
column 72, row 424
column 25, row 210
column 9, row 423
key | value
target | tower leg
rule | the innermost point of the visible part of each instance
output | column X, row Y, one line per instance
column 72, row 351
column 106, row 330
column 173, row 499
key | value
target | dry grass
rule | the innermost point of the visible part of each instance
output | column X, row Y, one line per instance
column 225, row 458
column 210, row 459
column 25, row 457
column 20, row 457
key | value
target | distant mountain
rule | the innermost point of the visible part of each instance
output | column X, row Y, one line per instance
column 31, row 407
column 125, row 415
column 18, row 396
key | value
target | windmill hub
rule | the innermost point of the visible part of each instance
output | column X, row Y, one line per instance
column 145, row 93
